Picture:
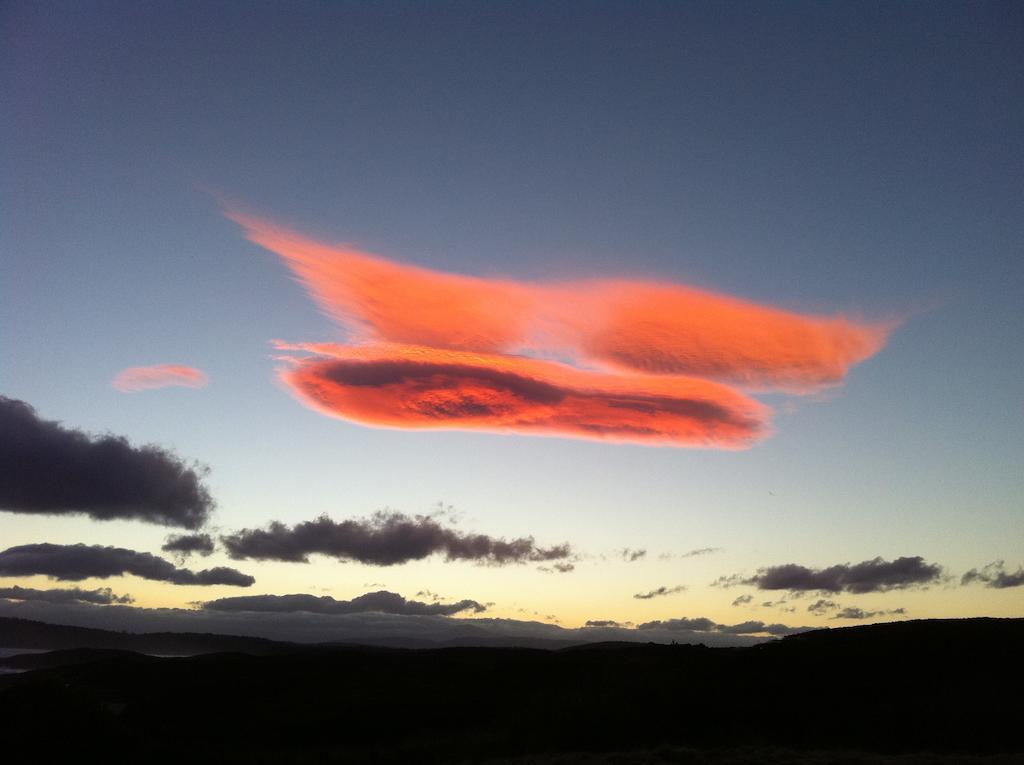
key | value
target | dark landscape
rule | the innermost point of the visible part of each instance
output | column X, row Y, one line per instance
column 914, row 692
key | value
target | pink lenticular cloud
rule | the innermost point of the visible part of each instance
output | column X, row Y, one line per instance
column 134, row 379
column 617, row 324
column 643, row 362
column 416, row 387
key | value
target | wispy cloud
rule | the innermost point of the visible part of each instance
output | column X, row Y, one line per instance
column 384, row 539
column 822, row 606
column 48, row 468
column 631, row 555
column 135, row 379
column 700, row 551
column 660, row 592
column 995, row 575
column 80, row 561
column 558, row 568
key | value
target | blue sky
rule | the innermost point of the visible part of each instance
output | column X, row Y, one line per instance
column 845, row 157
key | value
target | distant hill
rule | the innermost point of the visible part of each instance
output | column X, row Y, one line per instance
column 23, row 633
column 930, row 687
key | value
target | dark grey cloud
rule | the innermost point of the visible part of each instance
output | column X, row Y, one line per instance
column 79, row 561
column 742, row 600
column 631, row 556
column 187, row 544
column 852, row 612
column 47, row 468
column 995, row 575
column 382, row 601
column 660, row 591
column 602, row 623
column 102, row 596
column 700, row 551
column 383, row 539
column 557, row 568
column 875, row 575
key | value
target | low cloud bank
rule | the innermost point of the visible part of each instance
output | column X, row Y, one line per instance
column 80, row 561
column 103, row 596
column 382, row 601
column 370, row 628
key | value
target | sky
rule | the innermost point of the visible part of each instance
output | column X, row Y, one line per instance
column 544, row 306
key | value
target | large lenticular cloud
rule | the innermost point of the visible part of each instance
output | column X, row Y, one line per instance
column 643, row 326
column 416, row 387
column 658, row 346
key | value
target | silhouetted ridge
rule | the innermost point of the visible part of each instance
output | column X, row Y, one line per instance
column 891, row 688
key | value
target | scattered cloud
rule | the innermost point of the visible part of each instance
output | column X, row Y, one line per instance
column 384, row 539
column 742, row 600
column 102, row 596
column 415, row 387
column 821, row 607
column 187, row 544
column 383, row 602
column 80, row 561
column 700, row 551
column 852, row 612
column 631, row 556
column 995, row 575
column 660, row 591
column 557, row 568
column 47, row 468
column 134, row 379
column 876, row 575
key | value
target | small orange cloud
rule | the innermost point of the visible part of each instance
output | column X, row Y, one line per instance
column 134, row 379
column 618, row 324
column 418, row 387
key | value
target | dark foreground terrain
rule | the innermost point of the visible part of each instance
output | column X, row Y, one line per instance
column 921, row 692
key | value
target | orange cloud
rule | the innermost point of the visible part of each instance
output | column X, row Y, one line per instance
column 669, row 329
column 134, row 379
column 619, row 324
column 376, row 298
column 427, row 388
